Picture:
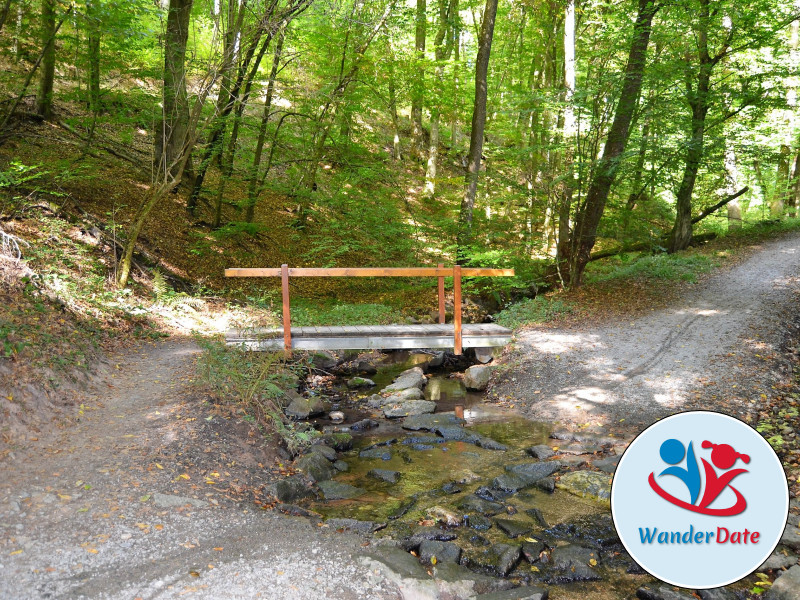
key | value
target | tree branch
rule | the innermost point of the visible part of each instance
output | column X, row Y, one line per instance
column 710, row 209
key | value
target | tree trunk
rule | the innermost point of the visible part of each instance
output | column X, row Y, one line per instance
column 15, row 45
column 569, row 131
column 172, row 129
column 396, row 149
column 588, row 218
column 253, row 187
column 794, row 189
column 781, row 191
column 732, row 176
column 93, row 34
column 4, row 10
column 455, row 134
column 44, row 97
column 418, row 85
column 446, row 9
column 478, row 124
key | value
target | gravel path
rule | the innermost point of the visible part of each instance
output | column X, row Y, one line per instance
column 717, row 348
column 96, row 510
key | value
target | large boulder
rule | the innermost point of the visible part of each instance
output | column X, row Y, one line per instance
column 477, row 377
column 336, row 490
column 523, row 475
column 574, row 563
column 412, row 378
column 291, row 489
column 359, row 382
column 587, row 484
column 498, row 559
column 316, row 466
column 323, row 360
column 302, row 408
column 408, row 409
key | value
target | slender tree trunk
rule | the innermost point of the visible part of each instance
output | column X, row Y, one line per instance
column 588, row 218
column 5, row 8
column 396, row 149
column 478, row 124
column 782, row 187
column 794, row 189
column 418, row 85
column 44, row 97
column 444, row 47
column 15, row 45
column 733, row 207
column 93, row 34
column 253, row 187
column 455, row 133
column 569, row 132
column 172, row 128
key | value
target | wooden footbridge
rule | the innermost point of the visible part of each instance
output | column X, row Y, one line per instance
column 362, row 337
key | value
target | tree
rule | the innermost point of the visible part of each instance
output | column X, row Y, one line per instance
column 418, row 86
column 588, row 216
column 478, row 125
column 44, row 96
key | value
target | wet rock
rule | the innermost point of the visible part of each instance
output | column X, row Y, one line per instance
column 172, row 501
column 430, row 422
column 385, row 475
column 662, row 592
column 336, row 490
column 786, row 587
column 573, row 563
column 587, row 484
column 381, row 453
column 717, row 594
column 365, row 367
column 442, row 552
column 341, row 442
column 478, row 522
column 315, row 466
column 521, row 476
column 513, row 527
column 364, row 425
column 489, row 494
column 498, row 559
column 422, row 447
column 457, row 434
column 635, row 569
column 323, row 360
column 423, row 533
column 532, row 551
column 341, row 466
column 573, row 461
column 423, row 439
column 402, row 570
column 378, row 401
column 779, row 560
column 436, row 361
column 580, row 448
column 490, row 444
column 363, row 527
column 336, row 416
column 326, row 451
column 477, row 377
column 537, row 516
column 791, row 535
column 446, row 517
column 290, row 490
column 547, row 484
column 607, row 465
column 302, row 408
column 542, row 451
column 359, row 382
column 412, row 378
column 405, row 505
column 408, row 409
column 522, row 593
column 382, row 444
column 472, row 503
column 451, row 487
column 478, row 540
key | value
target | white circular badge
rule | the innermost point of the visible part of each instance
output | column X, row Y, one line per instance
column 699, row 499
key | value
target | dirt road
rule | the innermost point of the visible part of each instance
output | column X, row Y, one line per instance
column 718, row 348
column 107, row 509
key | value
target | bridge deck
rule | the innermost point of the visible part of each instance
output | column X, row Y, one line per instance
column 368, row 337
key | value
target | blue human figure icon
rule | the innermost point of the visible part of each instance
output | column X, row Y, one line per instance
column 672, row 453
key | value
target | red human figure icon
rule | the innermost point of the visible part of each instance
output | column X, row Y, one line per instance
column 724, row 457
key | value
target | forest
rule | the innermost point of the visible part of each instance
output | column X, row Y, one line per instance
column 537, row 135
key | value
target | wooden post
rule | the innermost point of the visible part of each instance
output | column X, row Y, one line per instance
column 287, row 318
column 457, row 308
column 441, row 296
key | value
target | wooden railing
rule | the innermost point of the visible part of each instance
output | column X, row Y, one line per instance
column 456, row 272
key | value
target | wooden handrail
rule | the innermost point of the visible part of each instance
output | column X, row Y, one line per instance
column 371, row 272
column 456, row 272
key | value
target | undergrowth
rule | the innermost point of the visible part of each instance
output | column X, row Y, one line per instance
column 257, row 383
column 532, row 311
column 671, row 267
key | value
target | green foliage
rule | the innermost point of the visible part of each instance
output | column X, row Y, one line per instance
column 532, row 311
column 255, row 382
column 671, row 267
column 306, row 313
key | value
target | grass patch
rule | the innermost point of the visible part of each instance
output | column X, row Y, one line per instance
column 670, row 267
column 257, row 383
column 532, row 311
